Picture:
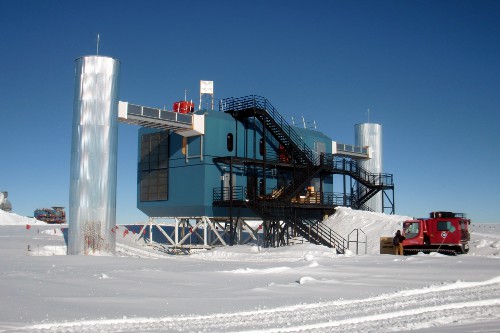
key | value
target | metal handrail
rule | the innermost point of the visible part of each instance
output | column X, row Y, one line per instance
column 222, row 194
column 353, row 168
column 156, row 113
column 333, row 238
column 342, row 147
column 357, row 240
column 240, row 193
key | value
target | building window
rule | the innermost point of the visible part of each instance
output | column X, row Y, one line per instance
column 153, row 167
column 229, row 142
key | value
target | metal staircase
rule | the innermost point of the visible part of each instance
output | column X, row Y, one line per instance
column 302, row 156
column 273, row 121
column 368, row 183
column 311, row 228
column 279, row 208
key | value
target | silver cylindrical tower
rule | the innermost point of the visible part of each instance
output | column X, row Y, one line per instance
column 369, row 134
column 92, row 197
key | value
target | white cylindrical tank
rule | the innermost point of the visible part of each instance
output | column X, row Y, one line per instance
column 368, row 134
column 92, row 197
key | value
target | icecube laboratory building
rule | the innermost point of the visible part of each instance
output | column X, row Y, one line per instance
column 244, row 161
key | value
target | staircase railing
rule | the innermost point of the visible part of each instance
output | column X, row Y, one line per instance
column 321, row 232
column 352, row 168
column 286, row 131
column 363, row 194
column 311, row 229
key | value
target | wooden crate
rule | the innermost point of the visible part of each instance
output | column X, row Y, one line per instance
column 386, row 246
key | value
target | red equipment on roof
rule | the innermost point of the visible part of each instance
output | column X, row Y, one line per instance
column 183, row 107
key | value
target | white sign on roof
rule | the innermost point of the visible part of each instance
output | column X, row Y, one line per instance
column 206, row 87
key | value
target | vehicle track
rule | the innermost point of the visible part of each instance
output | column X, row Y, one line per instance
column 432, row 306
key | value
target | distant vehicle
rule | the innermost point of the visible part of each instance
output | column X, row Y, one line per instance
column 443, row 232
column 51, row 215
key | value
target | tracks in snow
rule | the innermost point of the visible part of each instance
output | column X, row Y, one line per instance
column 464, row 302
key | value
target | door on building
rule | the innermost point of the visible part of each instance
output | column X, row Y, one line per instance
column 226, row 186
column 251, row 185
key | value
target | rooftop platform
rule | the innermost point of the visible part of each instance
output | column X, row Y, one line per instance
column 188, row 124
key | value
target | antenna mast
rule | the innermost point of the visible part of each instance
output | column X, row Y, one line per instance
column 97, row 44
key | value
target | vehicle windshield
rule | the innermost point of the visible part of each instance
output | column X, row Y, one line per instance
column 411, row 229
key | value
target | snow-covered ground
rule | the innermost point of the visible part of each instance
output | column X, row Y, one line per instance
column 245, row 288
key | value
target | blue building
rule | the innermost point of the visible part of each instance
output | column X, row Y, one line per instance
column 246, row 161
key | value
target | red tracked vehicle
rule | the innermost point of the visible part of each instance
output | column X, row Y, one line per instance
column 443, row 232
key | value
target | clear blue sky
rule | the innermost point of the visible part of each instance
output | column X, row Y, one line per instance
column 429, row 71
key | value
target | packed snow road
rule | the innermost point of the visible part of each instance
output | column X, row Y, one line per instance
column 449, row 305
